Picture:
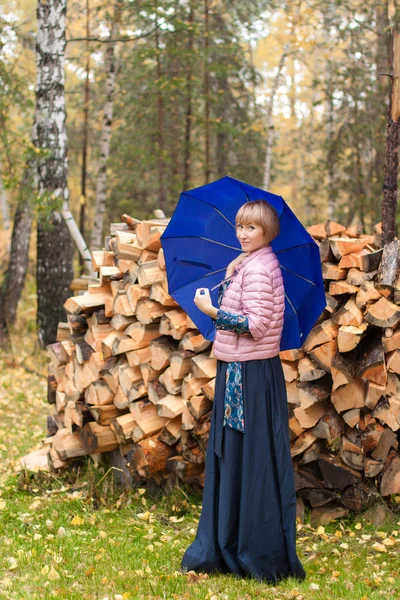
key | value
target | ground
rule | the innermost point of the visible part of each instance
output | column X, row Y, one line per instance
column 77, row 536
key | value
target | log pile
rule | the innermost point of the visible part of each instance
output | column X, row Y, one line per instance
column 131, row 377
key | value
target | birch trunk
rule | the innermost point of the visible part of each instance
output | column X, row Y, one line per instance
column 207, row 168
column 54, row 247
column 270, row 119
column 189, row 88
column 101, row 184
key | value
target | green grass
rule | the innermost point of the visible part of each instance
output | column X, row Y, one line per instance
column 78, row 536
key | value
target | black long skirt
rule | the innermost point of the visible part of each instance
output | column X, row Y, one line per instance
column 248, row 520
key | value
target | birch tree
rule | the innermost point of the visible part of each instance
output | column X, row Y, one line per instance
column 54, row 246
column 101, row 183
column 270, row 119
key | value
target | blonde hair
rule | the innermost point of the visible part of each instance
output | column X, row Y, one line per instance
column 260, row 213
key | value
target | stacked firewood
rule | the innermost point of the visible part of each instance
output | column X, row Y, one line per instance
column 343, row 385
column 131, row 377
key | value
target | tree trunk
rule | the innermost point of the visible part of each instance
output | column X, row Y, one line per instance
column 160, row 132
column 189, row 87
column 270, row 117
column 83, row 199
column 206, row 95
column 389, row 203
column 382, row 69
column 54, row 246
column 105, row 141
column 14, row 277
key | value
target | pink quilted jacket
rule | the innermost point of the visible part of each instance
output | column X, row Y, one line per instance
column 256, row 291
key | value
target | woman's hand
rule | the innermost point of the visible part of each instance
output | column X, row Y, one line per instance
column 232, row 265
column 203, row 302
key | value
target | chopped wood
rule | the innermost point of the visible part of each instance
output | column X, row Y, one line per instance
column 387, row 440
column 137, row 357
column 86, row 302
column 308, row 417
column 161, row 349
column 203, row 366
column 150, row 273
column 302, row 443
column 68, row 445
column 156, row 391
column 333, row 228
column 172, row 431
column 170, row 406
column 105, row 414
column 194, row 341
column 323, row 355
column 209, row 389
column 341, row 246
column 356, row 277
column 173, row 386
column 367, row 294
column 349, row 314
column 174, row 323
column 142, row 334
column 290, row 370
column 308, row 371
column 338, row 288
column 148, row 311
column 98, row 438
column 199, row 406
column 180, row 363
column 158, row 293
column 390, row 482
column 311, row 392
column 123, row 426
column 332, row 271
column 349, row 396
column 320, row 334
column 349, row 336
column 318, row 231
column 383, row 314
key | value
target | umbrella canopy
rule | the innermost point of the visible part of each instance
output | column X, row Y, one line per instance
column 200, row 241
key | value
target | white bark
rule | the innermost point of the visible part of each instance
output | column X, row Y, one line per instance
column 270, row 119
column 49, row 131
column 105, row 140
column 54, row 270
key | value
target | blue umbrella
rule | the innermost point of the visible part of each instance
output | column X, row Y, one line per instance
column 200, row 241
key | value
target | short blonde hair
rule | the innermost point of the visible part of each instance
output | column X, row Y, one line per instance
column 260, row 213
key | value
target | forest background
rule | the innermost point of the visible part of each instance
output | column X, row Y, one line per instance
column 168, row 95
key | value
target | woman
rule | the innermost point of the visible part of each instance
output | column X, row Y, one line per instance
column 248, row 520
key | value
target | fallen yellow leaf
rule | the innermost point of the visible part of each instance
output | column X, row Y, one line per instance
column 77, row 520
column 53, row 574
column 379, row 547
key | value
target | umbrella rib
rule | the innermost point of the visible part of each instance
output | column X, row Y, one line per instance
column 290, row 302
column 226, row 218
column 218, row 243
column 297, row 275
column 212, row 206
column 291, row 248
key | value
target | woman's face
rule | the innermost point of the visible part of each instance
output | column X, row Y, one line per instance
column 251, row 236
